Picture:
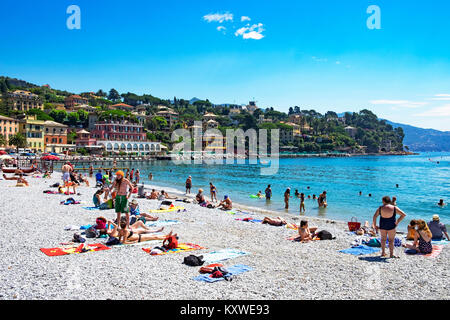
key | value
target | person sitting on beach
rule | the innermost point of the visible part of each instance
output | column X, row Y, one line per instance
column 278, row 221
column 21, row 181
column 226, row 203
column 153, row 195
column 388, row 224
column 441, row 203
column 411, row 230
column 84, row 179
column 305, row 233
column 438, row 229
column 422, row 239
column 164, row 195
column 200, row 197
column 136, row 215
column 322, row 200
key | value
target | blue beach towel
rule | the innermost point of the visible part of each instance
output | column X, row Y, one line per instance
column 223, row 254
column 360, row 250
column 233, row 270
column 91, row 208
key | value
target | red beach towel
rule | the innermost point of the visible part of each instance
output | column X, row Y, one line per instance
column 61, row 251
column 181, row 247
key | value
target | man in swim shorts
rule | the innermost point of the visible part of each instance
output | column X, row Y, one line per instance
column 121, row 185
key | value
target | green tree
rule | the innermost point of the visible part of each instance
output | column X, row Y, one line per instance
column 58, row 115
column 3, row 141
column 113, row 95
column 73, row 118
column 18, row 140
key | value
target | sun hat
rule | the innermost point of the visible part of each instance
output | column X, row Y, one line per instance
column 134, row 202
column 120, row 173
column 435, row 217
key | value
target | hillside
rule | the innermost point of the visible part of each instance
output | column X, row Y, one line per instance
column 419, row 139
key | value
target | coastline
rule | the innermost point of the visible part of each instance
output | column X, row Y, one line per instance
column 281, row 269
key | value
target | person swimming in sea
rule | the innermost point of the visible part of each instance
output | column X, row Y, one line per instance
column 441, row 203
column 259, row 194
column 322, row 200
column 360, row 193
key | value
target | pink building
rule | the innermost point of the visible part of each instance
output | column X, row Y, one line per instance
column 118, row 131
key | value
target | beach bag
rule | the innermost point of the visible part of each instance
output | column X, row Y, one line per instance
column 193, row 261
column 166, row 203
column 77, row 238
column 112, row 241
column 354, row 225
column 91, row 232
column 100, row 223
column 172, row 243
column 56, row 185
column 324, row 235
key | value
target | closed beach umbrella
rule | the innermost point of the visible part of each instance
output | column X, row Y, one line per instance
column 2, row 152
column 50, row 158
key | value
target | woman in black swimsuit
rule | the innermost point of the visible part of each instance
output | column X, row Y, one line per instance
column 388, row 224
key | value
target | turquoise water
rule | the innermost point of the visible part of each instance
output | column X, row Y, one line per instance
column 421, row 183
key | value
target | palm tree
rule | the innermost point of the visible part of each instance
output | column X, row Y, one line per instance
column 18, row 140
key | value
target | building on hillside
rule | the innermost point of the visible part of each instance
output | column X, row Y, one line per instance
column 122, row 106
column 262, row 119
column 84, row 140
column 251, row 107
column 71, row 101
column 21, row 100
column 92, row 120
column 8, row 127
column 351, row 131
column 170, row 116
column 33, row 130
column 211, row 124
column 55, row 137
column 295, row 118
column 118, row 131
column 209, row 116
column 286, row 136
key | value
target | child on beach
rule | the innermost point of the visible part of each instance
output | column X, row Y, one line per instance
column 305, row 233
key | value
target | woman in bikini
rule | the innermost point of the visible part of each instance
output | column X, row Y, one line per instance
column 137, row 232
column 305, row 233
column 388, row 224
column 278, row 221
column 422, row 239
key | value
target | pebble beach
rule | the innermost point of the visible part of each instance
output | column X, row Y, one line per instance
column 281, row 269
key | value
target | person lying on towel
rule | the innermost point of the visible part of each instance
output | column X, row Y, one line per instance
column 21, row 182
column 278, row 221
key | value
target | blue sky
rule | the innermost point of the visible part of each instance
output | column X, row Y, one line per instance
column 314, row 54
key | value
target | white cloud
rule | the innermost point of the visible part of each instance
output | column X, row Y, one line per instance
column 218, row 17
column 399, row 103
column 338, row 62
column 441, row 97
column 251, row 32
column 443, row 111
column 221, row 28
column 245, row 18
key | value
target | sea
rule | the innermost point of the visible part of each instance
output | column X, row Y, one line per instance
column 422, row 180
column 418, row 182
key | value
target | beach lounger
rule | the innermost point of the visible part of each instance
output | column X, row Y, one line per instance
column 65, row 250
column 181, row 247
column 233, row 271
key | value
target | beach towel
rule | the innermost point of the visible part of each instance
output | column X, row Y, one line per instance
column 74, row 228
column 292, row 226
column 176, row 208
column 181, row 247
column 437, row 249
column 61, row 251
column 91, row 208
column 223, row 254
column 360, row 250
column 440, row 242
column 162, row 223
column 249, row 220
column 233, row 271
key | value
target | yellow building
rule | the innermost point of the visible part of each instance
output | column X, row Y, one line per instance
column 21, row 100
column 33, row 130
